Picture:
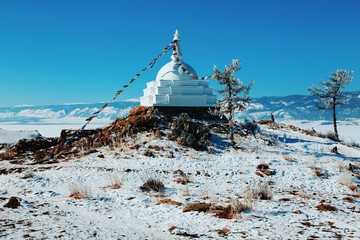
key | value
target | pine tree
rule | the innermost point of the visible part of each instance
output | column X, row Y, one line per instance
column 331, row 95
column 235, row 95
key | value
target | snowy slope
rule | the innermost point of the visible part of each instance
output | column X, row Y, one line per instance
column 300, row 107
column 218, row 178
column 7, row 136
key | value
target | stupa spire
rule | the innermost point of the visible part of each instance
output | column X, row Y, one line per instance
column 177, row 45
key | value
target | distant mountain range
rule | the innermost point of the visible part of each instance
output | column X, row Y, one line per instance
column 63, row 113
column 301, row 107
column 295, row 107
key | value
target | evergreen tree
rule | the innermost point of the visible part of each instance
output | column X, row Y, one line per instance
column 235, row 95
column 330, row 94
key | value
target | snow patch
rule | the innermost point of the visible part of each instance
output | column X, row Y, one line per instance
column 10, row 137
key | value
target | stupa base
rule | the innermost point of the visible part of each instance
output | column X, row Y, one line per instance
column 200, row 113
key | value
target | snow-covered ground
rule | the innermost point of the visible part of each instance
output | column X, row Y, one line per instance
column 9, row 136
column 219, row 178
column 49, row 130
column 348, row 130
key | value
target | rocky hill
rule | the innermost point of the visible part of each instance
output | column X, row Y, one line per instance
column 144, row 177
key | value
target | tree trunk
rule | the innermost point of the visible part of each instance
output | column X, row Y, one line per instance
column 334, row 120
column 231, row 129
column 231, row 121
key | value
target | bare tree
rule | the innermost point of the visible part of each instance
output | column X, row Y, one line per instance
column 235, row 95
column 331, row 95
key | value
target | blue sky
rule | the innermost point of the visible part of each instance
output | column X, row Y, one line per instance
column 83, row 51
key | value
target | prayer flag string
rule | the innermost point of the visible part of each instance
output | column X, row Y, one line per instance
column 172, row 45
column 184, row 69
column 149, row 66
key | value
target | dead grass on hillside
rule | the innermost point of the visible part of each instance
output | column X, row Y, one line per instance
column 326, row 207
column 79, row 192
column 168, row 201
column 288, row 158
column 264, row 168
column 317, row 171
column 115, row 182
column 8, row 154
column 353, row 188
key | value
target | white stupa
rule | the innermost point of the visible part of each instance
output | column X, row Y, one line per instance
column 174, row 88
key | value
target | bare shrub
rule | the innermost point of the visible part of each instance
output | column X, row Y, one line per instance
column 311, row 132
column 250, row 127
column 79, row 192
column 190, row 133
column 259, row 190
column 332, row 136
column 353, row 143
column 240, row 205
column 153, row 184
column 345, row 178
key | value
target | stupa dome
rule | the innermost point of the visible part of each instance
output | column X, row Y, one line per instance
column 173, row 71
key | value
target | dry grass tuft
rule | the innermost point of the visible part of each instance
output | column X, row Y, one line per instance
column 79, row 192
column 8, row 154
column 228, row 212
column 182, row 180
column 348, row 199
column 353, row 188
column 198, row 207
column 115, row 182
column 168, row 201
column 289, row 159
column 259, row 190
column 264, row 168
column 223, row 231
column 326, row 207
column 153, row 184
column 285, row 199
column 317, row 171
